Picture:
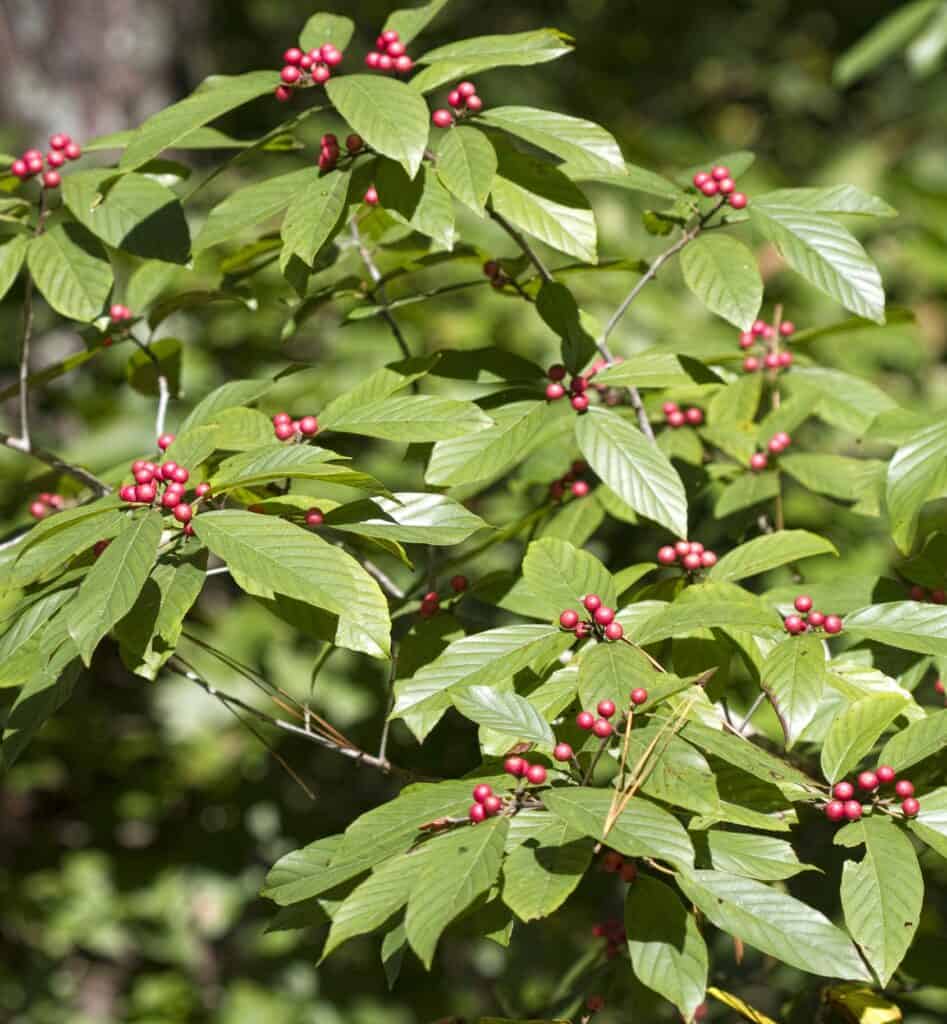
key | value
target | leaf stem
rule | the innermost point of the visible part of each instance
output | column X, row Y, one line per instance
column 378, row 292
column 528, row 251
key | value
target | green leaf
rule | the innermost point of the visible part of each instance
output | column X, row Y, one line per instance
column 916, row 473
column 250, row 206
column 611, row 671
column 905, row 624
column 642, row 829
column 667, row 951
column 414, row 418
column 289, row 560
column 708, row 606
column 774, row 923
column 769, row 552
column 835, row 199
column 635, row 470
column 931, row 821
column 560, row 575
column 507, row 713
column 645, row 370
column 887, row 37
column 199, row 138
column 47, row 690
column 677, row 773
column 20, row 643
column 422, row 203
column 71, row 270
column 883, row 894
column 466, row 164
column 633, row 178
column 835, row 475
column 411, row 21
column 149, row 633
column 487, row 454
column 137, row 214
column 584, row 145
column 541, row 874
column 851, row 403
column 50, row 549
column 722, row 273
column 326, row 28
column 113, row 584
column 390, row 116
column 214, row 97
column 143, row 370
column 560, row 312
column 12, row 254
column 315, row 215
column 272, row 462
column 793, row 676
column 747, row 490
column 410, row 518
column 464, row 865
column 375, row 387
column 536, row 197
column 482, row 53
column 826, row 254
column 920, row 740
column 855, row 731
column 483, row 659
column 765, row 858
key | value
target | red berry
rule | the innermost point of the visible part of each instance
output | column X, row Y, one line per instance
column 53, row 499
column 758, row 462
column 19, row 169
column 592, row 602
column 604, row 615
column 34, row 164
column 99, row 547
column 145, row 492
column 867, row 781
column 492, row 805
column 667, row 555
column 354, row 143
column 477, row 813
column 853, row 810
column 536, row 774
column 569, row 619
column 595, row 1003
column 782, row 439
column 284, row 431
column 466, row 89
column 700, row 177
column 314, row 517
column 771, row 360
column 459, row 584
column 385, row 63
column 54, row 158
column 835, row 810
column 52, row 179
column 708, row 559
column 202, row 490
column 481, row 792
column 639, row 696
column 737, row 200
column 751, row 364
column 39, row 509
column 309, row 425
column 691, row 562
column 832, row 624
column 562, row 752
column 59, row 140
column 747, row 339
column 144, row 476
column 293, row 55
column 474, row 104
column 612, row 862
column 794, row 624
column 515, row 766
column 170, row 498
column 694, row 417
column 183, row 512
column 629, row 872
column 283, row 94
column 371, row 196
column 580, row 403
column 885, row 773
column 614, row 631
column 720, row 172
column 585, row 720
column 181, row 475
column 372, row 59
column 442, row 118
column 710, row 188
column 939, row 687
column 165, row 441
column 843, row 790
column 676, row 419
column 939, row 596
column 455, row 99
column 127, row 493
column 580, row 489
column 816, row 618
column 321, row 74
column 726, row 186
column 602, row 729
column 606, row 708
column 803, row 603
column 578, row 385
column 389, row 36
column 904, row 788
column 404, row 64
column 554, row 391
column 290, row 74
column 334, row 57
column 910, row 807
column 700, row 1013
column 787, row 328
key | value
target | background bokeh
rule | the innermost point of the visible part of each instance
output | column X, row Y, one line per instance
column 135, row 833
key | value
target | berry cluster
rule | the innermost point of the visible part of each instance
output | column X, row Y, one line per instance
column 918, row 593
column 389, row 54
column 612, row 929
column 766, row 336
column 595, row 1003
column 577, row 387
column 464, row 100
column 329, row 151
column 499, row 279
column 600, row 726
column 44, row 504
column 316, row 64
column 692, row 554
column 170, row 479
column 776, row 445
column 676, row 417
column 810, row 618
column 844, row 805
column 31, row 163
column 602, row 622
column 573, row 480
column 486, row 804
column 431, row 602
column 287, row 429
column 717, row 181
column 615, row 864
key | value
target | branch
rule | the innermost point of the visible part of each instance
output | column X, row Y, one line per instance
column 164, row 392
column 54, row 461
column 378, row 291
column 384, row 581
column 521, row 241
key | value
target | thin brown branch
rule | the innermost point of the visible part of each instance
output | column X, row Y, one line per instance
column 55, row 462
column 528, row 251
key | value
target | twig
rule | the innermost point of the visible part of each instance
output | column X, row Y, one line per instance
column 528, row 251
column 55, row 462
column 384, row 581
column 378, row 292
column 754, row 707
column 164, row 391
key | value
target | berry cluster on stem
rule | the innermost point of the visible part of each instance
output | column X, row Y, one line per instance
column 612, row 930
column 464, row 100
column 287, row 429
column 717, row 181
column 301, row 70
column 497, row 276
column 691, row 554
column 486, row 804
column 844, row 807
column 615, row 864
column 45, row 504
column 809, row 619
column 431, row 602
column 330, row 152
column 164, row 484
column 31, row 162
column 389, row 55
column 937, row 596
column 600, row 726
column 764, row 340
column 776, row 445
column 572, row 480
column 676, row 417
column 601, row 621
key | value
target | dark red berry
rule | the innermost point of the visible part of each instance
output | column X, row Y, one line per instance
column 536, row 774
column 910, row 807
column 614, row 631
column 481, row 792
column 458, row 584
column 568, row 619
column 867, row 781
column 602, row 729
column 562, row 752
column 612, row 862
column 165, row 441
column 477, row 813
column 853, row 810
column 554, row 391
column 803, row 603
column 442, row 118
column 843, row 790
column 904, row 788
column 606, row 708
column 604, row 615
column 667, row 555
column 595, row 1003
column 314, row 517
column 580, row 403
column 515, row 766
column 835, row 810
column 737, row 200
column 832, row 624
column 585, row 720
column 639, row 696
